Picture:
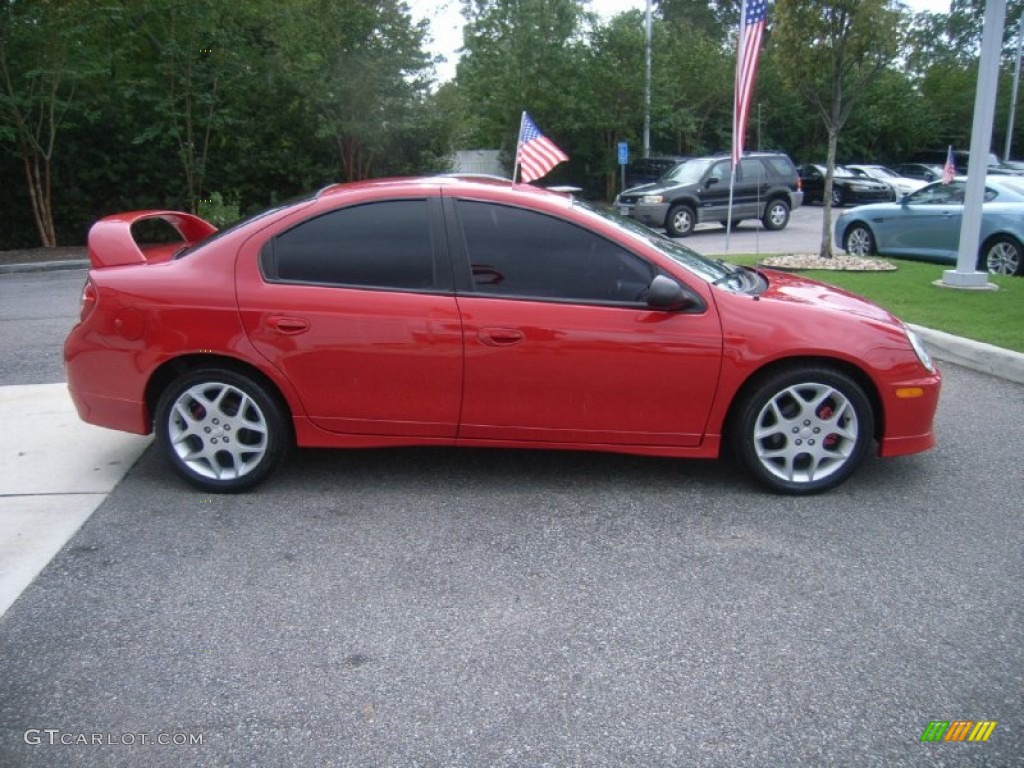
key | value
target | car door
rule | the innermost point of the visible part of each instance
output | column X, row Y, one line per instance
column 813, row 182
column 560, row 345
column 927, row 223
column 355, row 307
column 714, row 192
column 749, row 190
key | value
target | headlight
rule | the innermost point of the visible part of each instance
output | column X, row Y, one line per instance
column 919, row 350
column 652, row 199
column 860, row 187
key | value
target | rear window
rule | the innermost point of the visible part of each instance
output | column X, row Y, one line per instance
column 379, row 245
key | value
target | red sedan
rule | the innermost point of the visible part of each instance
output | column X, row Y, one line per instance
column 447, row 311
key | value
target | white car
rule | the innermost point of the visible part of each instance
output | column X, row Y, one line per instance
column 901, row 185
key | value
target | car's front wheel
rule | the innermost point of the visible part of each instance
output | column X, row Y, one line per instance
column 1001, row 256
column 776, row 215
column 859, row 241
column 221, row 430
column 837, row 197
column 681, row 221
column 803, row 429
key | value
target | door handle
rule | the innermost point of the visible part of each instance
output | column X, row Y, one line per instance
column 288, row 325
column 500, row 337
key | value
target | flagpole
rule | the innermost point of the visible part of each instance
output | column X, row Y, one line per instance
column 734, row 161
column 519, row 143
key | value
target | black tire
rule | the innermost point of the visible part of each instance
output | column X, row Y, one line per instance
column 680, row 221
column 814, row 424
column 221, row 430
column 838, row 196
column 776, row 215
column 1002, row 255
column 859, row 241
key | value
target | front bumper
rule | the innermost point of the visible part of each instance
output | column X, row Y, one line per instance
column 651, row 214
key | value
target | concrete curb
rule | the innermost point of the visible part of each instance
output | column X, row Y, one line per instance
column 43, row 266
column 976, row 355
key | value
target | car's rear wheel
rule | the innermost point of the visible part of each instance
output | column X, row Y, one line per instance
column 681, row 221
column 803, row 429
column 221, row 430
column 776, row 215
column 1001, row 256
column 859, row 241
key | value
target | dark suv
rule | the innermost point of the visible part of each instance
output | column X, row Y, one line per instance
column 767, row 188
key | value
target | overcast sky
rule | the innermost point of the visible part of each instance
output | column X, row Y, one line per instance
column 446, row 22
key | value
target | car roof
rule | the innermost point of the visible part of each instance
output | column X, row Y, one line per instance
column 473, row 186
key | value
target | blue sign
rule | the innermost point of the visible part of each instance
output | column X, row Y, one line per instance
column 623, row 153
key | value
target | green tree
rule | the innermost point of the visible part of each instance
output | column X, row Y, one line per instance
column 831, row 51
column 522, row 54
column 360, row 69
column 45, row 56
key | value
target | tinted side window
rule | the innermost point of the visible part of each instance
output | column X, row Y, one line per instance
column 751, row 169
column 781, row 166
column 380, row 245
column 521, row 253
column 940, row 194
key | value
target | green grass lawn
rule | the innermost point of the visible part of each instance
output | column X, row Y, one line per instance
column 996, row 317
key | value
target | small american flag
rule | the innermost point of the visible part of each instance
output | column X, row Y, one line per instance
column 749, row 47
column 949, row 169
column 536, row 154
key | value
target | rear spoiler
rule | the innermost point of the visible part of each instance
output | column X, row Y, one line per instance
column 112, row 244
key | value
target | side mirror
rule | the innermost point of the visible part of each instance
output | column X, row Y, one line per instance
column 665, row 293
column 710, row 181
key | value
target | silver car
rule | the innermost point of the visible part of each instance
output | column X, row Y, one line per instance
column 926, row 225
column 901, row 185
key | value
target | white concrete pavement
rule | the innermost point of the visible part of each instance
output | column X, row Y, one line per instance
column 55, row 470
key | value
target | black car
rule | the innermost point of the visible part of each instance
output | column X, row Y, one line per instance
column 766, row 188
column 847, row 187
column 646, row 170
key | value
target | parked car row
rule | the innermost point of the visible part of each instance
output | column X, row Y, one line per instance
column 895, row 215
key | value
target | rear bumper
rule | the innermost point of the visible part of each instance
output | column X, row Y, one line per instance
column 111, row 412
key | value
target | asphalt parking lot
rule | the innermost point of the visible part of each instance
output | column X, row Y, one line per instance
column 498, row 608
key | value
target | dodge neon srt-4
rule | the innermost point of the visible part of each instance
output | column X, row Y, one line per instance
column 451, row 311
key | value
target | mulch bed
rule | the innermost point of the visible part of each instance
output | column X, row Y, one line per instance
column 800, row 261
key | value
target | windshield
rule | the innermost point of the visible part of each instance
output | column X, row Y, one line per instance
column 720, row 273
column 689, row 172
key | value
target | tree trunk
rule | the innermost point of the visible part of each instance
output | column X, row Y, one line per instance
column 826, row 196
column 38, row 181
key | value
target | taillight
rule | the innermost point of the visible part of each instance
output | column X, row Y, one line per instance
column 89, row 297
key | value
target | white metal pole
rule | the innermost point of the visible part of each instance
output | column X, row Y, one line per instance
column 1013, row 97
column 966, row 274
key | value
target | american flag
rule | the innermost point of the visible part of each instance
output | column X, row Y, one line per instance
column 949, row 169
column 751, row 31
column 536, row 153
